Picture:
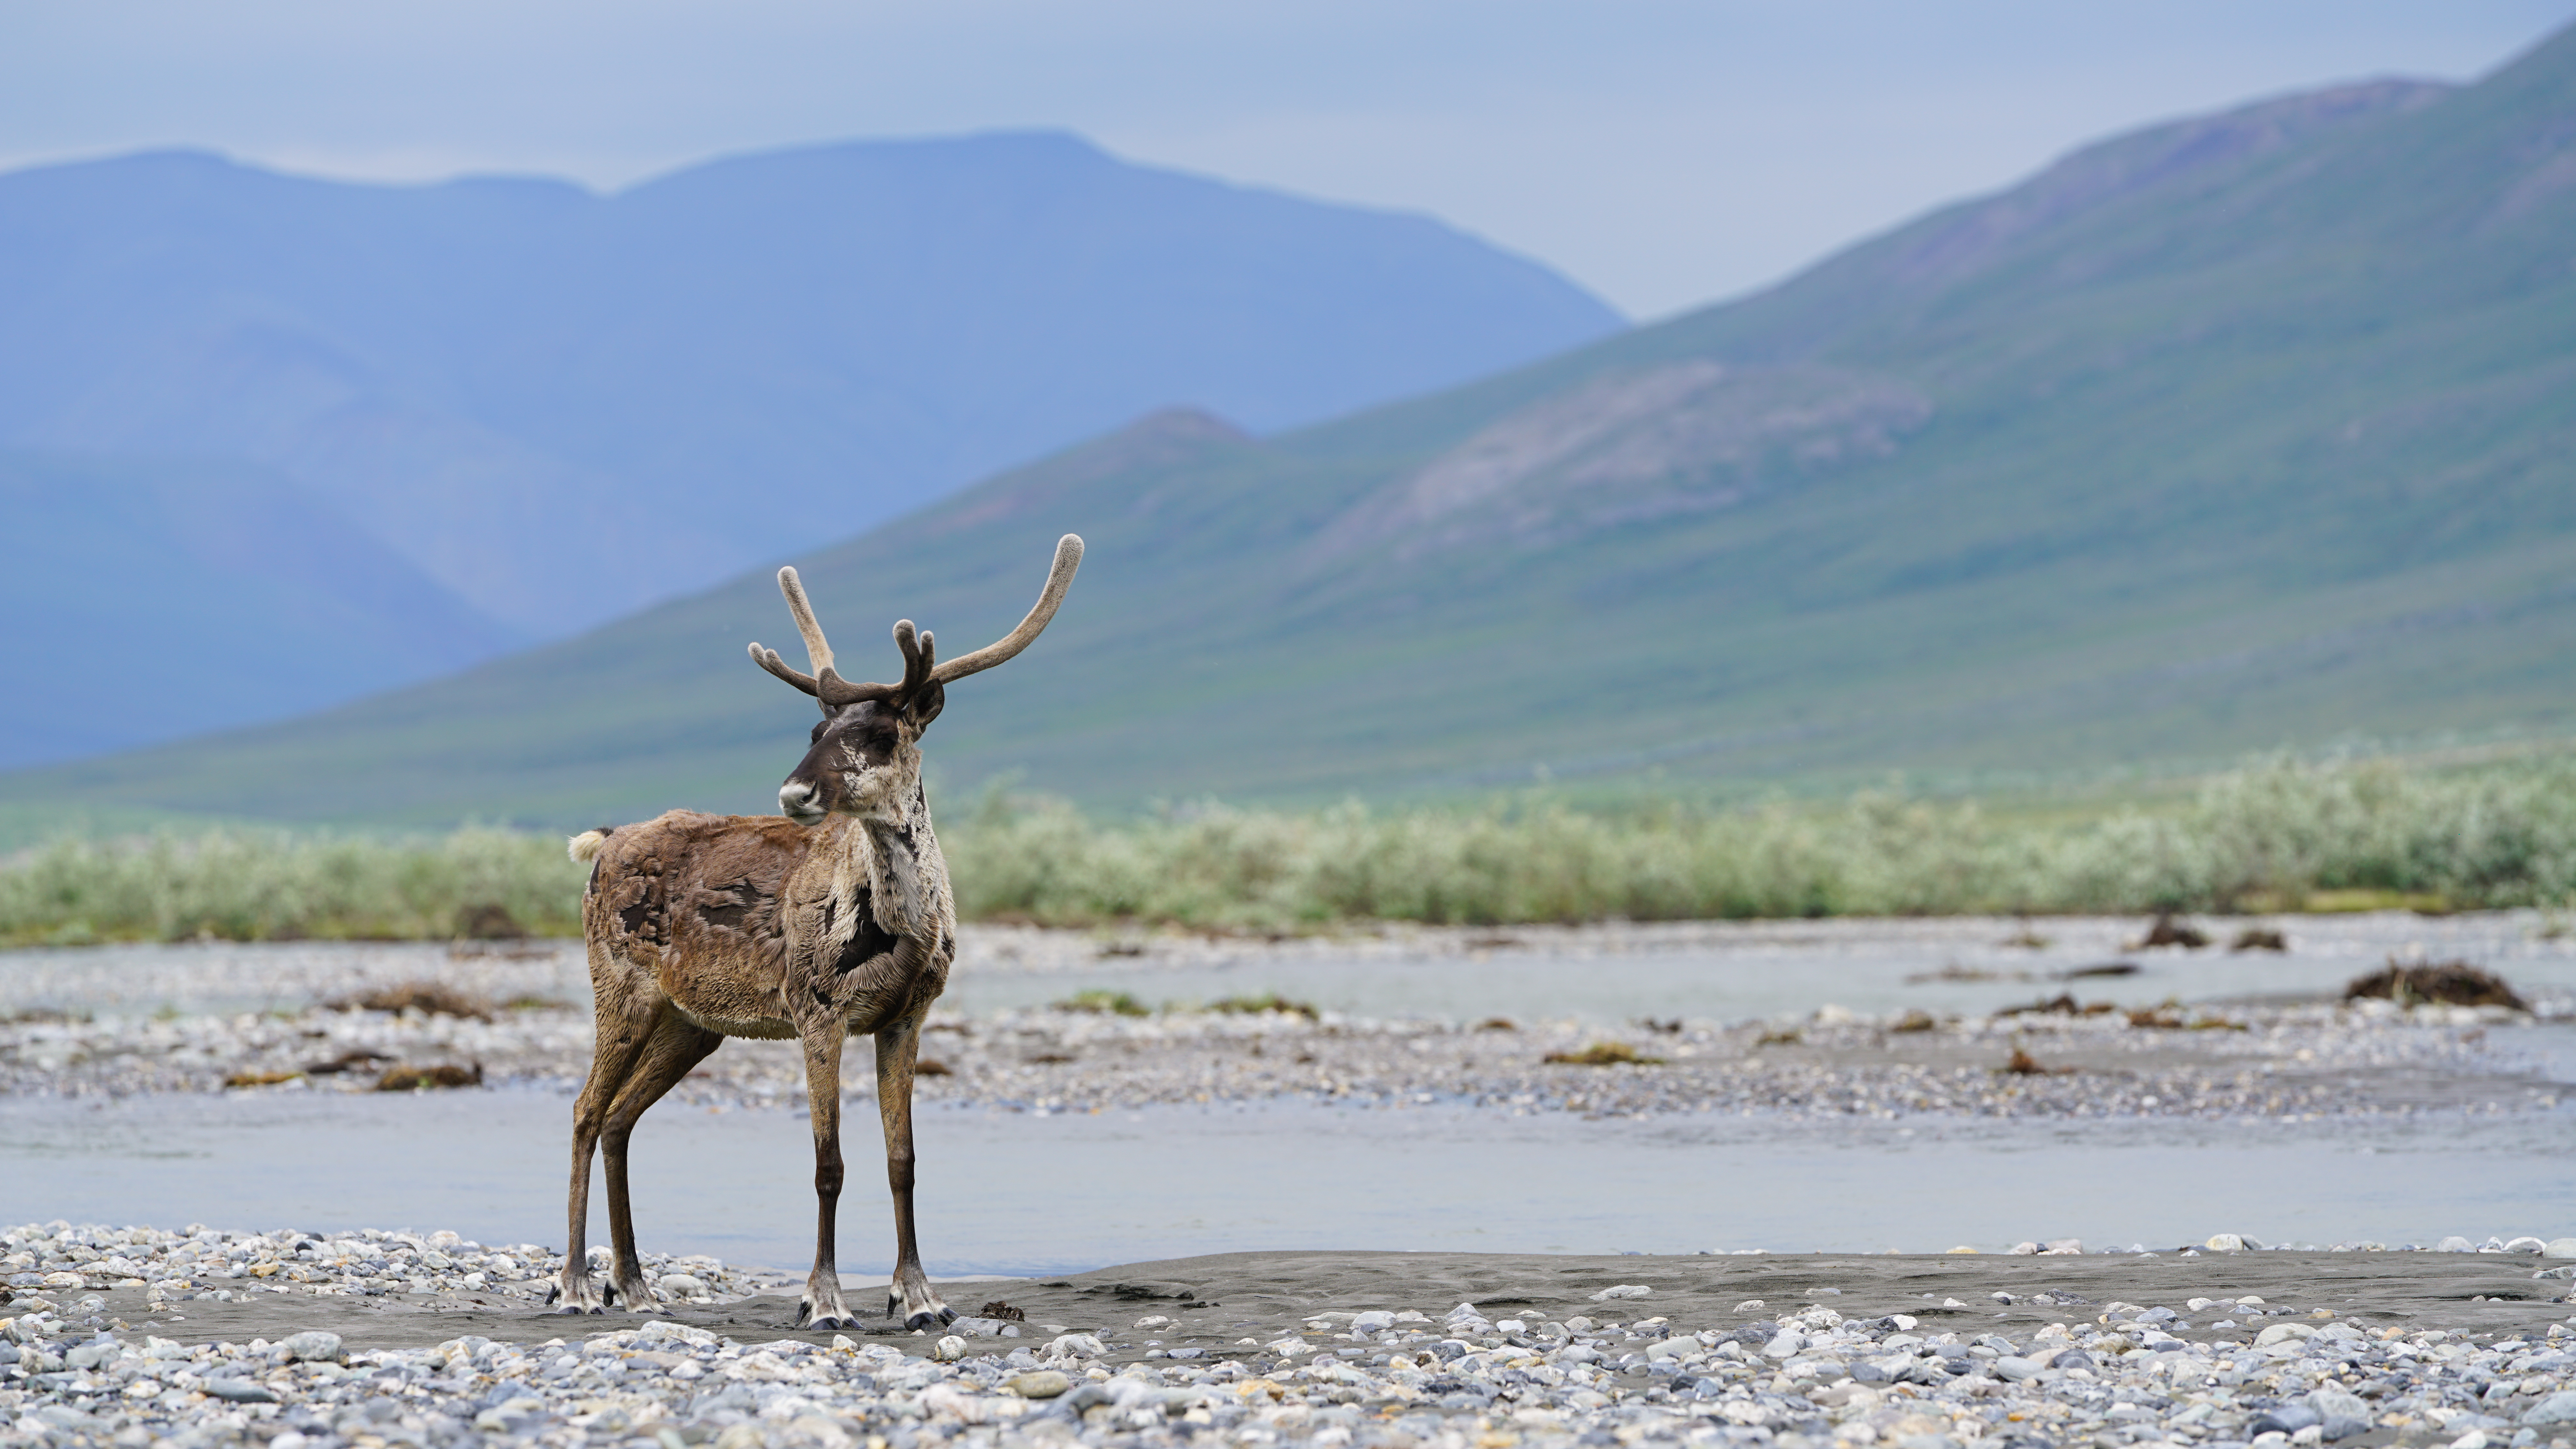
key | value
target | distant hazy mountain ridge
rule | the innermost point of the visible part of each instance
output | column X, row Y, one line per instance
column 219, row 593
column 1980, row 235
column 559, row 406
column 2252, row 430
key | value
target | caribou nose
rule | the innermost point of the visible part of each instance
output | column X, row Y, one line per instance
column 796, row 800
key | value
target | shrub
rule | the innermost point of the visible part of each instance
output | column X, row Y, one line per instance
column 2270, row 835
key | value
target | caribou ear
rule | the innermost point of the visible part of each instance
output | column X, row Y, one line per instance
column 924, row 704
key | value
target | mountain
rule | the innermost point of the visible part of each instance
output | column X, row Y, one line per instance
column 561, row 406
column 216, row 591
column 2251, row 430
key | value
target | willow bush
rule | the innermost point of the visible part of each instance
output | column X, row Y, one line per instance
column 276, row 886
column 2271, row 835
column 2268, row 836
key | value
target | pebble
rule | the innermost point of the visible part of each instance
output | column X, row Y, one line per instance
column 1460, row 1382
column 313, row 1346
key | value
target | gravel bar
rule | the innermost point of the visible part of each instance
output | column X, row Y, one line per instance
column 2200, row 1347
column 217, row 1017
column 2273, row 1061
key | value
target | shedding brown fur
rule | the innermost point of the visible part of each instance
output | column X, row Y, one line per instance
column 833, row 919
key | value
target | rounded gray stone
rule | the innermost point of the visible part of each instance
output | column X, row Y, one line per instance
column 314, row 1345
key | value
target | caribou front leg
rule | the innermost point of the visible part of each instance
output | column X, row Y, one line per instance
column 898, row 1048
column 822, row 1305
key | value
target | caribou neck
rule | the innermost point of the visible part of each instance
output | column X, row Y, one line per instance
column 900, row 860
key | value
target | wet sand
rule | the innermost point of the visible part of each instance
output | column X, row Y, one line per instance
column 1219, row 1299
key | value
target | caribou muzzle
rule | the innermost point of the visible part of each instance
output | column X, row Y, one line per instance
column 796, row 801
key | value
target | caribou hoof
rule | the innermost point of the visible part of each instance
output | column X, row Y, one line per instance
column 570, row 1308
column 931, row 1318
column 805, row 1318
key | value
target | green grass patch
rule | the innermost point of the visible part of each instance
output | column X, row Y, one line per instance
column 1104, row 1003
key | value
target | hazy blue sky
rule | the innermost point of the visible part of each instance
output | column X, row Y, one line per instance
column 1664, row 152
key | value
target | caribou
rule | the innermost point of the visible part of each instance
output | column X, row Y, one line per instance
column 831, row 919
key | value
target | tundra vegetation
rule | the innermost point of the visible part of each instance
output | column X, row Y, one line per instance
column 2269, row 836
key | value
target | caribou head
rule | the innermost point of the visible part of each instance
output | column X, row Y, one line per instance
column 865, row 759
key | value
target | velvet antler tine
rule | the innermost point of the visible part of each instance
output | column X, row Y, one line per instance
column 768, row 659
column 824, row 684
column 909, row 641
column 917, row 655
column 818, row 650
column 1068, row 557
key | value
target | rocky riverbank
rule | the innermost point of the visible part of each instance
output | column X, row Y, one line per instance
column 2065, row 1061
column 2190, row 1347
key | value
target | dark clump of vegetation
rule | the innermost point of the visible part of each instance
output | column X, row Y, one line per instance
column 430, row 998
column 2062, row 1004
column 1605, row 1054
column 1103, row 1003
column 1267, row 1001
column 1916, row 1019
column 931, row 1067
column 422, row 1079
column 489, row 921
column 2444, row 983
column 2168, row 931
column 2022, row 1064
column 2168, row 1016
column 2259, row 938
column 997, row 1309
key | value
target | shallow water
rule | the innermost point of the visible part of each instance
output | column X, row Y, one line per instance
column 1782, row 969
column 1010, row 1192
column 1608, row 974
column 1006, row 1192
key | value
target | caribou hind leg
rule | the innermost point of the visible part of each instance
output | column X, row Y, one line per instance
column 676, row 1046
column 624, row 1025
column 909, row 1295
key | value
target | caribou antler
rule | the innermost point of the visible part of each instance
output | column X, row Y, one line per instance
column 921, row 667
column 826, row 686
column 1068, row 557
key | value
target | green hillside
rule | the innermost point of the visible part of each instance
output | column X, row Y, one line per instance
column 2248, row 431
